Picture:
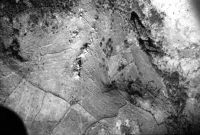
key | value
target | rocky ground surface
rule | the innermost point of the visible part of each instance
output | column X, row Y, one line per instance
column 100, row 67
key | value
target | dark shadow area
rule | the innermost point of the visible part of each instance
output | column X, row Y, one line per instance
column 11, row 123
column 11, row 8
column 196, row 7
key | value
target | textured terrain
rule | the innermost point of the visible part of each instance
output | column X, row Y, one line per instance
column 100, row 67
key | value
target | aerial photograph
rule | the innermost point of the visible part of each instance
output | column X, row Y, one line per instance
column 99, row 67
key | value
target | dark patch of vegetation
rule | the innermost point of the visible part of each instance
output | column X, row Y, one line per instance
column 11, row 57
column 176, row 91
column 125, row 130
column 197, row 97
column 12, row 8
column 13, row 51
column 126, row 44
column 55, row 4
column 178, row 125
column 156, row 17
column 134, row 88
column 108, row 49
column 77, row 66
column 177, row 96
column 110, row 4
column 150, row 48
column 34, row 19
column 79, row 61
column 16, row 32
column 147, row 44
column 85, row 46
column 110, row 86
column 121, row 67
column 73, row 101
column 135, row 19
column 139, row 89
column 101, row 43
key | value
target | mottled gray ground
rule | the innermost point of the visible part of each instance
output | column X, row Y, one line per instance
column 98, row 67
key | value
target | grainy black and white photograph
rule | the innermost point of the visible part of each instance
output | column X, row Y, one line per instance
column 99, row 67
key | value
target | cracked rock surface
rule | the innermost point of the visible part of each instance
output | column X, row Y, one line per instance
column 100, row 67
